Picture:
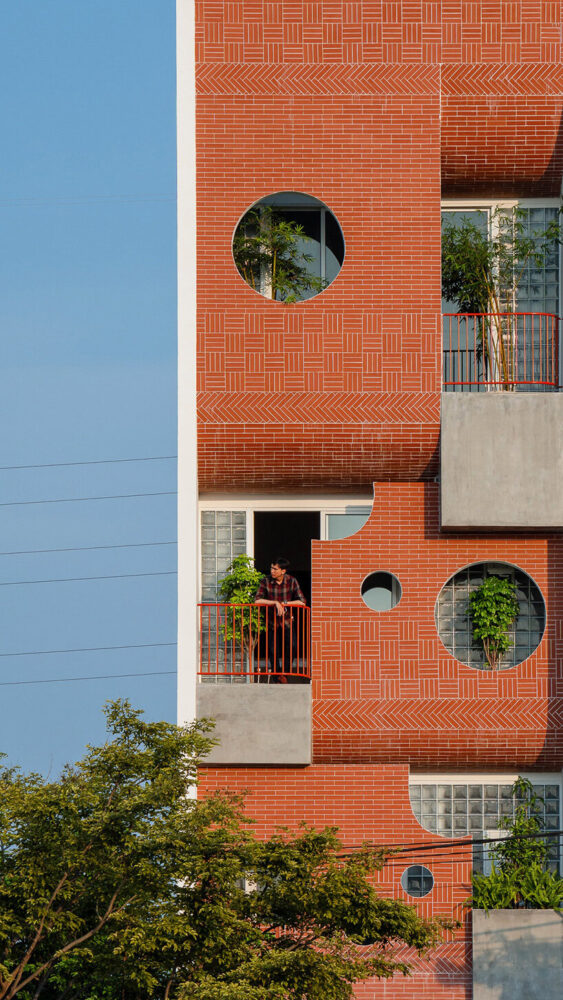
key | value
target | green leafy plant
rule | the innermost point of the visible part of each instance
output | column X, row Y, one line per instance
column 482, row 272
column 269, row 255
column 520, row 875
column 493, row 608
column 244, row 624
column 116, row 882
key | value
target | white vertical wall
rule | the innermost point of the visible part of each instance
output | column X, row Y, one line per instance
column 187, row 440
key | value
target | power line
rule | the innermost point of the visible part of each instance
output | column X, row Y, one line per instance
column 458, row 846
column 85, row 548
column 117, row 496
column 81, row 579
column 99, row 461
column 93, row 677
column 88, row 200
column 89, row 649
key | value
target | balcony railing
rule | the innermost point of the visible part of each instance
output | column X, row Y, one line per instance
column 513, row 352
column 247, row 643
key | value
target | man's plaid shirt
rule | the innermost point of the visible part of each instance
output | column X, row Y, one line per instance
column 287, row 590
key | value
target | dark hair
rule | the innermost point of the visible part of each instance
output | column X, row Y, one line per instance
column 281, row 562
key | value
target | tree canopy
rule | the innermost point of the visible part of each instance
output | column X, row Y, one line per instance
column 117, row 884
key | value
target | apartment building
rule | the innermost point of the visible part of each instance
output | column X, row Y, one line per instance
column 367, row 431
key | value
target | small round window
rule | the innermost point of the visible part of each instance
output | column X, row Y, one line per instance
column 455, row 625
column 417, row 880
column 381, row 591
column 288, row 247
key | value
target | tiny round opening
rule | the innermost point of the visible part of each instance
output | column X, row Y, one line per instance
column 288, row 247
column 381, row 591
column 417, row 880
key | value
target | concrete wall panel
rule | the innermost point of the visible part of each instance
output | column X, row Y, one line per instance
column 517, row 955
column 258, row 724
column 502, row 460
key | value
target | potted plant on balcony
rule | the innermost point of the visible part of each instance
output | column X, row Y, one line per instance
column 482, row 272
column 269, row 255
column 245, row 622
column 493, row 609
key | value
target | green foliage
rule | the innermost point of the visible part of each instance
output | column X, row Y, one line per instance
column 493, row 608
column 268, row 253
column 241, row 582
column 242, row 625
column 482, row 272
column 519, row 876
column 116, row 883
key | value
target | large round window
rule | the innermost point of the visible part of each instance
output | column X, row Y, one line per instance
column 455, row 624
column 288, row 247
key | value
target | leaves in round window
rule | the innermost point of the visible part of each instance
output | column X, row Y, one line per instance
column 489, row 603
column 288, row 247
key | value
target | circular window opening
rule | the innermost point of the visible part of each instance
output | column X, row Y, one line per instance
column 417, row 880
column 381, row 591
column 455, row 623
column 288, row 247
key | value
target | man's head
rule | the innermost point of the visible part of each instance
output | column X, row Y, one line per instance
column 279, row 568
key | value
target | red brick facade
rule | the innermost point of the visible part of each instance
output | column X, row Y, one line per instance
column 370, row 802
column 385, row 688
column 377, row 109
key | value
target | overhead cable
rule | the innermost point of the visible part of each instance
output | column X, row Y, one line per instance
column 116, row 496
column 97, row 461
column 93, row 677
column 82, row 579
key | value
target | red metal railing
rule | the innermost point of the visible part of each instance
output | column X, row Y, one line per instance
column 501, row 351
column 248, row 642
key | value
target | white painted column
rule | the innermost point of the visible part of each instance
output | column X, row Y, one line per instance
column 187, row 431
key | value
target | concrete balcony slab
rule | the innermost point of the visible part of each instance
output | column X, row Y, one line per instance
column 502, row 460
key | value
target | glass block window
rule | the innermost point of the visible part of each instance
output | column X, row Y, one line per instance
column 417, row 880
column 539, row 287
column 223, row 536
column 454, row 810
column 454, row 624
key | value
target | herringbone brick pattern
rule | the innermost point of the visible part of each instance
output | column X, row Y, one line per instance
column 386, row 689
column 325, row 80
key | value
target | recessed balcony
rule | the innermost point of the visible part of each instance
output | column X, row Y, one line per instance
column 243, row 644
column 501, row 352
column 255, row 683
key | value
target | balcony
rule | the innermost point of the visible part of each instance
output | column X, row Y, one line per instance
column 501, row 352
column 501, row 456
column 255, row 683
column 239, row 643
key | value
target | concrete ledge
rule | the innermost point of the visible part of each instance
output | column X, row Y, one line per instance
column 502, row 460
column 258, row 723
column 517, row 954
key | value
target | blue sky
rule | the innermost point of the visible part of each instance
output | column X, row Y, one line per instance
column 88, row 366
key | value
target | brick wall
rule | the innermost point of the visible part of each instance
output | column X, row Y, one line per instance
column 361, row 105
column 369, row 802
column 384, row 686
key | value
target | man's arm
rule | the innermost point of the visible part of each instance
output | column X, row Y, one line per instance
column 262, row 598
column 297, row 596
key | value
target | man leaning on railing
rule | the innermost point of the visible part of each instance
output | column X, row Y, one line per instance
column 280, row 591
